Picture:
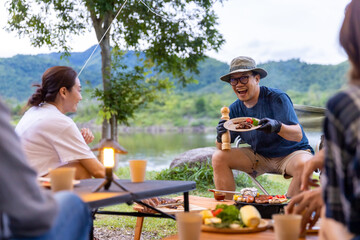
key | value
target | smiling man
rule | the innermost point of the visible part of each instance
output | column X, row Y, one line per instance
column 278, row 146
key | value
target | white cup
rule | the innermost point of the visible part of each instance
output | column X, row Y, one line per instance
column 137, row 170
column 287, row 226
column 189, row 225
column 62, row 179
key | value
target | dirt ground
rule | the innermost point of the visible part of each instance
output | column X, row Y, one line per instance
column 115, row 234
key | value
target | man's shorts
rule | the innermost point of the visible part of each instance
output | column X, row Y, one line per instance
column 276, row 165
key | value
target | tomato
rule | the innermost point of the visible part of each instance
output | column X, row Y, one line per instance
column 217, row 211
column 250, row 199
column 249, row 120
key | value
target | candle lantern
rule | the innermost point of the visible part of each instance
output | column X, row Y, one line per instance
column 108, row 143
column 107, row 149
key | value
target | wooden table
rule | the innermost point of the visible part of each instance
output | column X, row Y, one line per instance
column 129, row 193
column 266, row 235
column 210, row 203
column 196, row 203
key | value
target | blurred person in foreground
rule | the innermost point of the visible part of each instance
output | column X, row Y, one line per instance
column 339, row 194
column 26, row 210
column 51, row 139
column 278, row 146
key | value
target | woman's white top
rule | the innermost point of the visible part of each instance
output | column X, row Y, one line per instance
column 50, row 139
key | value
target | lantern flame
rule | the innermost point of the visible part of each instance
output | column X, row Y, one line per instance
column 109, row 157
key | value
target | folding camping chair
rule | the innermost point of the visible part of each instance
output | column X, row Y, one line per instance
column 239, row 141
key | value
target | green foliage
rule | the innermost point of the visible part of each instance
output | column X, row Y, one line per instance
column 88, row 109
column 175, row 38
column 26, row 70
column 31, row 18
column 182, row 109
column 300, row 76
column 128, row 90
column 190, row 107
column 202, row 174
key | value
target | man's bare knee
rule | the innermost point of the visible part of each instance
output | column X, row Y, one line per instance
column 218, row 159
column 296, row 167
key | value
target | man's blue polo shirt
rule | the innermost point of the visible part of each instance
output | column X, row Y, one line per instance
column 273, row 104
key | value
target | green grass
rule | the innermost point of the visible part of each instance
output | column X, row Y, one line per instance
column 159, row 227
column 202, row 175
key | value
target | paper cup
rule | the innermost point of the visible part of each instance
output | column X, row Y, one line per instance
column 287, row 226
column 189, row 225
column 137, row 170
column 62, row 179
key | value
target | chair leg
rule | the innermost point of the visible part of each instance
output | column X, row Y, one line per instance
column 258, row 184
column 138, row 227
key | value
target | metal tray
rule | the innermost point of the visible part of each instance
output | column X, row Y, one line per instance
column 266, row 210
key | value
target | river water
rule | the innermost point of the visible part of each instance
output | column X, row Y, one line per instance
column 161, row 149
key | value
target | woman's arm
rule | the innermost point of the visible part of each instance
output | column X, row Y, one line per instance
column 87, row 168
column 316, row 162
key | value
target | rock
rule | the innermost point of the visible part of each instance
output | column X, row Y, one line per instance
column 202, row 155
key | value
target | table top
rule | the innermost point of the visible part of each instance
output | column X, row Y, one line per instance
column 210, row 203
column 266, row 235
column 136, row 191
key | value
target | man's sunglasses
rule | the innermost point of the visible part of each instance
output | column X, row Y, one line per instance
column 242, row 79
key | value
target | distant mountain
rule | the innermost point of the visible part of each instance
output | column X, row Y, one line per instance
column 18, row 73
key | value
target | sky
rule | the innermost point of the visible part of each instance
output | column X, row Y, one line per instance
column 266, row 30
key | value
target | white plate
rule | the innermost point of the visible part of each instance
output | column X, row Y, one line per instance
column 264, row 224
column 229, row 125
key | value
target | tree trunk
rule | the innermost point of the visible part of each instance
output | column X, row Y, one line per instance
column 100, row 26
column 114, row 128
column 106, row 74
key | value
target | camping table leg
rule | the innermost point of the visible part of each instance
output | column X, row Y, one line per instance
column 186, row 202
column 138, row 227
column 140, row 220
column 93, row 212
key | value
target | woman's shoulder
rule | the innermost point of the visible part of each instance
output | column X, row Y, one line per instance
column 50, row 116
column 52, row 112
column 344, row 102
column 342, row 98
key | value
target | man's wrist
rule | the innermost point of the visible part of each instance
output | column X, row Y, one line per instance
column 278, row 127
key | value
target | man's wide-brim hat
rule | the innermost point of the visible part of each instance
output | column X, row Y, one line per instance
column 243, row 64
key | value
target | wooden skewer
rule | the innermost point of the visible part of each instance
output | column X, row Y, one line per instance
column 223, row 191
